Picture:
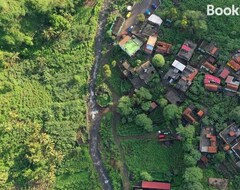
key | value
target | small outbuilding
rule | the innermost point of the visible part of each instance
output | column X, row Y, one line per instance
column 154, row 19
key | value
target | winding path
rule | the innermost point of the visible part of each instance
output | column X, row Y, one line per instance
column 94, row 111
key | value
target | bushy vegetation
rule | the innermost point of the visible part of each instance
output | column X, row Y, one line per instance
column 157, row 160
column 103, row 95
column 46, row 53
column 110, row 152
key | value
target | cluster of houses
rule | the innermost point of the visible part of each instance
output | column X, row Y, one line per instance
column 208, row 145
column 179, row 77
column 219, row 77
column 133, row 35
column 231, row 138
column 138, row 76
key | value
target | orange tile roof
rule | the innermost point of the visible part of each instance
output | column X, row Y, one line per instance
column 227, row 147
column 191, row 76
column 209, row 66
column 200, row 113
column 231, row 133
column 212, row 149
column 211, row 87
column 232, row 87
column 213, row 51
column 124, row 40
column 234, row 65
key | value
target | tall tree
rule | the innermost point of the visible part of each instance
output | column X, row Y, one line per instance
column 144, row 121
column 193, row 174
column 158, row 60
column 124, row 105
column 171, row 112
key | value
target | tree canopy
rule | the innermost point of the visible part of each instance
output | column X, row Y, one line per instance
column 125, row 105
column 158, row 60
column 193, row 174
column 235, row 114
column 171, row 112
column 144, row 121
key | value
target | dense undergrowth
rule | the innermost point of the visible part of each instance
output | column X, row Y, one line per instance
column 46, row 53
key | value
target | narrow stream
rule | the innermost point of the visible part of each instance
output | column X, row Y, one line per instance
column 95, row 117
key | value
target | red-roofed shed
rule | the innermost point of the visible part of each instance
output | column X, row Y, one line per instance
column 156, row 185
column 224, row 73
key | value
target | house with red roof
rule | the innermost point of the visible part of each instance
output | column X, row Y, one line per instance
column 209, row 67
column 187, row 50
column 163, row 47
column 234, row 65
column 211, row 79
column 211, row 87
column 225, row 72
column 208, row 141
column 149, row 185
column 232, row 84
column 191, row 114
column 209, row 48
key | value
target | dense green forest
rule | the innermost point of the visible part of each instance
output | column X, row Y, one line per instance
column 46, row 47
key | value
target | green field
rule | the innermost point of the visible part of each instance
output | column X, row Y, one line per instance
column 163, row 163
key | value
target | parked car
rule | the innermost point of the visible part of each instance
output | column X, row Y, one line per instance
column 148, row 12
column 129, row 14
column 130, row 29
column 154, row 6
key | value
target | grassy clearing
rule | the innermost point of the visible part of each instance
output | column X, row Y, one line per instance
column 151, row 156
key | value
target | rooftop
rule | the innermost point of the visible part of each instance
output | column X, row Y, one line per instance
column 208, row 141
column 175, row 97
column 209, row 48
column 178, row 65
column 155, row 19
column 230, row 134
column 117, row 25
column 209, row 67
column 211, row 79
column 163, row 47
column 130, row 45
column 150, row 44
column 231, row 80
column 191, row 114
column 187, row 50
column 234, row 65
column 225, row 72
column 156, row 185
column 146, row 71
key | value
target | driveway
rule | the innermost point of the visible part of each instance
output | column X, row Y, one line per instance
column 137, row 9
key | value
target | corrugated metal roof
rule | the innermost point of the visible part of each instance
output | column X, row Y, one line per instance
column 155, row 19
column 178, row 65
